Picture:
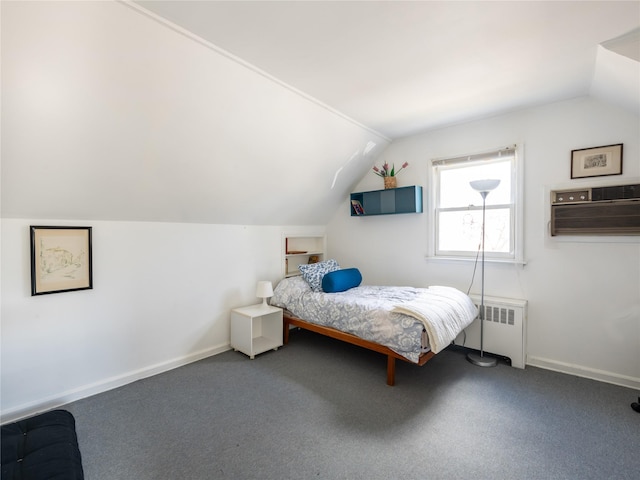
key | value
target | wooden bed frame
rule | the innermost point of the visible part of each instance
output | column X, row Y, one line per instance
column 289, row 320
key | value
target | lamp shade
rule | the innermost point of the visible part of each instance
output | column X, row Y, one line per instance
column 484, row 186
column 264, row 290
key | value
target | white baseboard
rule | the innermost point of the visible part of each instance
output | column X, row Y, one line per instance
column 580, row 371
column 63, row 398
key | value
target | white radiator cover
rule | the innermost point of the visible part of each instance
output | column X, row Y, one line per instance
column 504, row 329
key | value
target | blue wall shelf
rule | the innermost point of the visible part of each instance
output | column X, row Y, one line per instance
column 390, row 201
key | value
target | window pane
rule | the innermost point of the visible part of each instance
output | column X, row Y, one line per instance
column 461, row 231
column 455, row 190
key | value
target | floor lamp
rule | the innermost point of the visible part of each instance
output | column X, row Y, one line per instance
column 483, row 187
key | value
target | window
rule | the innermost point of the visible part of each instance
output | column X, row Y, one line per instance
column 457, row 212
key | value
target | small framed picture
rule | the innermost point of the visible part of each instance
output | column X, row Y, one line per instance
column 60, row 259
column 597, row 161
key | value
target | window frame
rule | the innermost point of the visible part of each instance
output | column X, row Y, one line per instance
column 516, row 248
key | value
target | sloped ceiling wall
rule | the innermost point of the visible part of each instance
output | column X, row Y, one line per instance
column 404, row 68
column 616, row 77
column 110, row 115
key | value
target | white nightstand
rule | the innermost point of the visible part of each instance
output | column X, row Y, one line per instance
column 256, row 329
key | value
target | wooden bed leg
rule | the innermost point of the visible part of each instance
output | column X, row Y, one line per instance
column 391, row 371
column 285, row 332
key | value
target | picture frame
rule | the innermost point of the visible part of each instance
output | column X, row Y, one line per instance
column 61, row 259
column 596, row 161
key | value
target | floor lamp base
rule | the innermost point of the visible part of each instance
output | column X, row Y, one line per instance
column 481, row 361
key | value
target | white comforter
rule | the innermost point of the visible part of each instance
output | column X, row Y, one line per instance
column 444, row 312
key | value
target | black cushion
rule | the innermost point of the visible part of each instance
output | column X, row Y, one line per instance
column 42, row 447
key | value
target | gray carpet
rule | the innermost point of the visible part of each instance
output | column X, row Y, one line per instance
column 318, row 408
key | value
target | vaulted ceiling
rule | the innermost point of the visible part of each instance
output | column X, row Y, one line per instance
column 271, row 112
column 404, row 67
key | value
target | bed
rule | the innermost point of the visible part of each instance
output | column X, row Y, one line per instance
column 404, row 323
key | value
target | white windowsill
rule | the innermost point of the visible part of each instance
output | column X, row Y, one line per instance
column 503, row 261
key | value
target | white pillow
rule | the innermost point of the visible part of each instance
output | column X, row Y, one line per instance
column 313, row 272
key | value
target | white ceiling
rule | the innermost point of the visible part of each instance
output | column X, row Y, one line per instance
column 404, row 67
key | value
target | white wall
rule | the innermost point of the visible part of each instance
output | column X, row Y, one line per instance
column 584, row 296
column 161, row 298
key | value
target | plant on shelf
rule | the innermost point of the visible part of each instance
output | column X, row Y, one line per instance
column 386, row 172
column 389, row 174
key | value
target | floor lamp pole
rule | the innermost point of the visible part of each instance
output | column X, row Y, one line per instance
column 484, row 187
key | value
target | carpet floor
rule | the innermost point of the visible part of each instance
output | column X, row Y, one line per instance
column 318, row 408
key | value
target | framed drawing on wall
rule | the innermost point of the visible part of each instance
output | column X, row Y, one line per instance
column 597, row 161
column 61, row 259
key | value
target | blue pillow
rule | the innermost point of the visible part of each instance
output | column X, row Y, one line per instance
column 313, row 272
column 341, row 280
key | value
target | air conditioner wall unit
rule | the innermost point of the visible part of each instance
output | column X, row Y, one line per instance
column 613, row 210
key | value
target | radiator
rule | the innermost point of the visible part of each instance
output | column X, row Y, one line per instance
column 504, row 329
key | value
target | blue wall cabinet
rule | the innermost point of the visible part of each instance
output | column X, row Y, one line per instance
column 387, row 202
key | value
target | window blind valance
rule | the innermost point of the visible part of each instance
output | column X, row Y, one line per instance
column 502, row 153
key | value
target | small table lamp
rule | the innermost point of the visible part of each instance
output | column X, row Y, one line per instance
column 264, row 290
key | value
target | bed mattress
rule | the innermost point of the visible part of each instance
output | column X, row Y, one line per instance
column 365, row 311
